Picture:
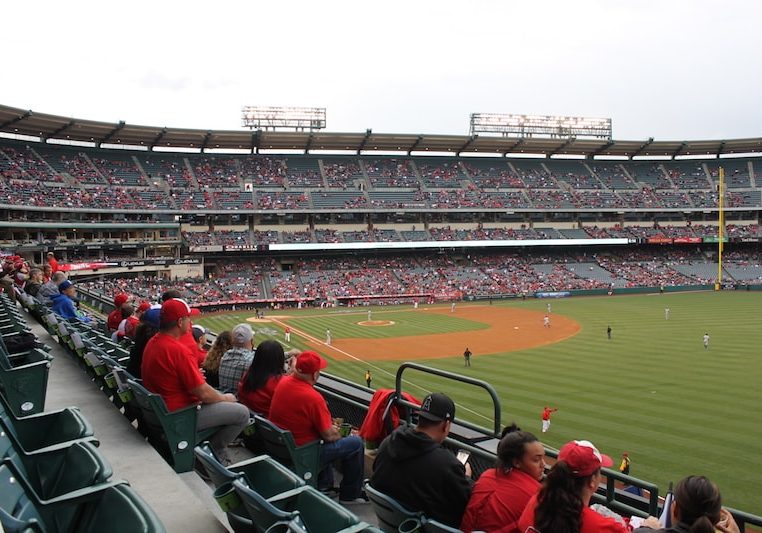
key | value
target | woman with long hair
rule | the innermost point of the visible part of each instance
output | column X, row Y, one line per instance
column 258, row 384
column 697, row 508
column 143, row 334
column 501, row 493
column 211, row 364
column 562, row 505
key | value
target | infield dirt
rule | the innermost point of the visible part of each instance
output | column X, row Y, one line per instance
column 510, row 329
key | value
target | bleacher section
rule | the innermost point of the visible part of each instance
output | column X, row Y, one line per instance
column 194, row 182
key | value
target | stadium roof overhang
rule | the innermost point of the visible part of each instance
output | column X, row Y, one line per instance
column 16, row 121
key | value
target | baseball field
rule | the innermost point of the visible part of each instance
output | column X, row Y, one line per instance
column 652, row 389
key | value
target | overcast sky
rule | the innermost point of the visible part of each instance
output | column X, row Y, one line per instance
column 668, row 69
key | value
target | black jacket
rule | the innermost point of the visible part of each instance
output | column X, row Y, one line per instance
column 422, row 475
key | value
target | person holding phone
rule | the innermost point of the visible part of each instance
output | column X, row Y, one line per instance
column 415, row 469
column 501, row 493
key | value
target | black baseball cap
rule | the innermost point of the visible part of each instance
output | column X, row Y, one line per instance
column 437, row 407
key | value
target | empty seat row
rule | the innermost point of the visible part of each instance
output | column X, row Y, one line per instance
column 54, row 478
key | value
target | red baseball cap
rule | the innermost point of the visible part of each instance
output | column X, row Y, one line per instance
column 309, row 363
column 144, row 306
column 121, row 298
column 583, row 458
column 174, row 309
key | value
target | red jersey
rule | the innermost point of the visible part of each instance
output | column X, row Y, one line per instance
column 114, row 319
column 53, row 264
column 189, row 342
column 592, row 522
column 299, row 408
column 497, row 501
column 259, row 400
column 169, row 370
column 546, row 413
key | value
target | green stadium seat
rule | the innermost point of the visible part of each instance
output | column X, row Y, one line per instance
column 43, row 430
column 318, row 512
column 173, row 434
column 263, row 474
column 264, row 515
column 24, row 380
column 300, row 510
column 54, row 472
column 389, row 512
column 432, row 526
column 279, row 444
column 112, row 507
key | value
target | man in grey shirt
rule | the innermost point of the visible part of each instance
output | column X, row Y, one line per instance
column 50, row 288
column 236, row 361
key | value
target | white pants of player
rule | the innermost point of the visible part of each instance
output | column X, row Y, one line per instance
column 288, row 336
column 545, row 426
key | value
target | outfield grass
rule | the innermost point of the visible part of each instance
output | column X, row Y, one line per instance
column 652, row 390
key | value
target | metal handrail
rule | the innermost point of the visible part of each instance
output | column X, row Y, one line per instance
column 456, row 377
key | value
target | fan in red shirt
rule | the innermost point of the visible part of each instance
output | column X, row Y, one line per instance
column 115, row 316
column 562, row 505
column 169, row 370
column 299, row 408
column 53, row 263
column 501, row 493
column 188, row 340
column 131, row 327
column 258, row 384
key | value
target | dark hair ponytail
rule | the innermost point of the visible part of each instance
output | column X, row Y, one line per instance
column 699, row 503
column 512, row 446
column 559, row 503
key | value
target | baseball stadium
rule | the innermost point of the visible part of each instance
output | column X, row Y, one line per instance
column 296, row 324
column 550, row 271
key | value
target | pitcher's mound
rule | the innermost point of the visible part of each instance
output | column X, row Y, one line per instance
column 376, row 323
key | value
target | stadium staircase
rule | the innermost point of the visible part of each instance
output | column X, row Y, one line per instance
column 752, row 176
column 322, row 173
column 189, row 168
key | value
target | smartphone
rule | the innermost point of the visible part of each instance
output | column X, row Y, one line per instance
column 463, row 456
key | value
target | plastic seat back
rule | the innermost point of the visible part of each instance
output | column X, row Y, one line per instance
column 59, row 472
column 319, row 513
column 389, row 512
column 17, row 511
column 264, row 514
column 279, row 444
column 119, row 510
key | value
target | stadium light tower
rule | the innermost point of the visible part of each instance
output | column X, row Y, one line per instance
column 561, row 127
column 296, row 118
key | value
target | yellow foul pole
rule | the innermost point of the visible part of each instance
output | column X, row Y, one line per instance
column 720, row 227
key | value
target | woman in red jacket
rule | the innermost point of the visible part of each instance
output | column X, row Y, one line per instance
column 501, row 493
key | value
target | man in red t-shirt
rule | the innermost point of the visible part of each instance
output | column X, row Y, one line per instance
column 188, row 340
column 169, row 370
column 131, row 326
column 299, row 408
column 115, row 316
column 53, row 263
